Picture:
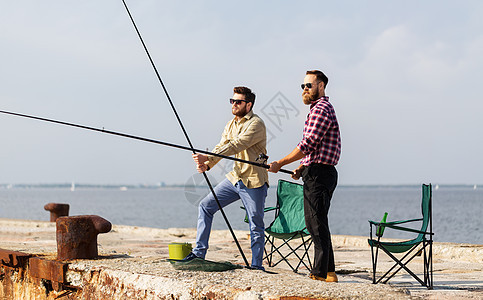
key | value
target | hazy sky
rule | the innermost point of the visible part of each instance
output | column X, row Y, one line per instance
column 404, row 78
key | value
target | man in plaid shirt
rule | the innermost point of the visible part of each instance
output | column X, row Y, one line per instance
column 320, row 152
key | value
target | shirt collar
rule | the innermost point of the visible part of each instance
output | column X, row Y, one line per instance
column 323, row 98
column 248, row 115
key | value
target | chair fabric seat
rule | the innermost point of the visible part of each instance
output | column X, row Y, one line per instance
column 285, row 235
column 396, row 247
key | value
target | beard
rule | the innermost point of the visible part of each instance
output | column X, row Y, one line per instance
column 310, row 96
column 240, row 112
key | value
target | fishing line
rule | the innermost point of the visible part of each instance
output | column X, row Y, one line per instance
column 185, row 133
column 130, row 136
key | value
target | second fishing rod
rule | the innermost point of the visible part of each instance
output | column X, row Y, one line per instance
column 184, row 131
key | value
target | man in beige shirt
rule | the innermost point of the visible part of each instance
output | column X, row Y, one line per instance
column 244, row 137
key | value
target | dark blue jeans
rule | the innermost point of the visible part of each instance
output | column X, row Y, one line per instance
column 320, row 182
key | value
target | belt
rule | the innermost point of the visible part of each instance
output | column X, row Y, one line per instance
column 320, row 165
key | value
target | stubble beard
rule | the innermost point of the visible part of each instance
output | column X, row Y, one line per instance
column 240, row 113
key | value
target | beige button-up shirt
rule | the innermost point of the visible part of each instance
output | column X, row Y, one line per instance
column 246, row 139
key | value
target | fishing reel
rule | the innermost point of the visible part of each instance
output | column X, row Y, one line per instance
column 262, row 158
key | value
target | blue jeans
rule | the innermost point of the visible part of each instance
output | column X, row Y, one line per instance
column 227, row 193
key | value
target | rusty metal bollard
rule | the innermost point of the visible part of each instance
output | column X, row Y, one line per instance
column 77, row 236
column 57, row 210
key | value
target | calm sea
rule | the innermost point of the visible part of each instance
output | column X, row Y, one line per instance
column 457, row 211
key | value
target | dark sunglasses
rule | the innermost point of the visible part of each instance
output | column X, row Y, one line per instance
column 238, row 101
column 308, row 85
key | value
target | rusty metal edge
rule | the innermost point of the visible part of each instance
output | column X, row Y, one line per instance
column 14, row 259
column 48, row 269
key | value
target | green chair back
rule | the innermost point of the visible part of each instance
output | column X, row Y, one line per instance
column 290, row 218
column 425, row 210
column 426, row 207
column 399, row 247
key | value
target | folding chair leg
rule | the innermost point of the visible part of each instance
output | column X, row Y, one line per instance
column 394, row 266
column 428, row 266
column 307, row 249
column 276, row 249
column 402, row 265
column 269, row 256
column 306, row 253
column 284, row 258
column 294, row 251
column 374, row 259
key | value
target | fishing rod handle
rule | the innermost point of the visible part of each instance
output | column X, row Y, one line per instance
column 268, row 167
column 286, row 171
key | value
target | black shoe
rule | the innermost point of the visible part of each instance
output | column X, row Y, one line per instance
column 190, row 256
column 257, row 268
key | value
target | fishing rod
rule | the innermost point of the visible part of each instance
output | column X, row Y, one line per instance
column 185, row 134
column 130, row 136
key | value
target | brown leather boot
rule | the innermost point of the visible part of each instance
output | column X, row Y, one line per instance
column 331, row 277
column 315, row 277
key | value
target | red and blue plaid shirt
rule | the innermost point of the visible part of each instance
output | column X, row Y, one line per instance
column 321, row 135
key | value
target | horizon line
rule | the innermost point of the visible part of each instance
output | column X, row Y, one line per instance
column 165, row 185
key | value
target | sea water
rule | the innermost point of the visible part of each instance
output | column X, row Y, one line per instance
column 457, row 210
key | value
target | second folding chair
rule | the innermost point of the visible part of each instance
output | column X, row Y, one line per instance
column 422, row 243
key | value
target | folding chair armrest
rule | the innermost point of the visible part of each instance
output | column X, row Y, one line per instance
column 374, row 222
column 269, row 208
column 388, row 225
column 393, row 222
column 265, row 209
column 393, row 226
column 246, row 215
column 402, row 222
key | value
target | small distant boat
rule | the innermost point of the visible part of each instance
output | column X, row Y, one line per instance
column 436, row 187
column 475, row 186
column 123, row 188
column 72, row 187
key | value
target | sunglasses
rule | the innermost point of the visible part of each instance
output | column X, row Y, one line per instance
column 308, row 85
column 238, row 102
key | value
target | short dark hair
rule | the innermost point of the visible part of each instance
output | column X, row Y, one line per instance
column 243, row 90
column 320, row 76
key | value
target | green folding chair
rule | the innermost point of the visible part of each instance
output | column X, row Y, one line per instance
column 288, row 227
column 423, row 243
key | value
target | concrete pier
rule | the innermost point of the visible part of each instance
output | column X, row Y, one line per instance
column 132, row 265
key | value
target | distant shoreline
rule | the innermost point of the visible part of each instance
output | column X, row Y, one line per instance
column 179, row 185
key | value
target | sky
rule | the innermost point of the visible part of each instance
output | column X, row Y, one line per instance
column 403, row 78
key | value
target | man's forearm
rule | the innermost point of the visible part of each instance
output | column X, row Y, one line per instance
column 295, row 155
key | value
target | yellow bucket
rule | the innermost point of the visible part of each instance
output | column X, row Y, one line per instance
column 179, row 250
